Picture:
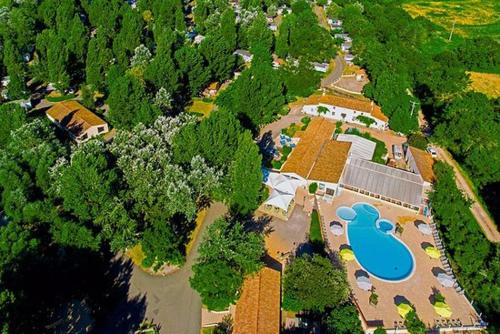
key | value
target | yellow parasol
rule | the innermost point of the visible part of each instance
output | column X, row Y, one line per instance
column 347, row 254
column 404, row 309
column 443, row 309
column 433, row 252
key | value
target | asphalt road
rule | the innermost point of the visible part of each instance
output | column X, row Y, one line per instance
column 484, row 220
column 334, row 76
column 168, row 301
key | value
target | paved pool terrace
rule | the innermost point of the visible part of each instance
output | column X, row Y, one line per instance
column 417, row 289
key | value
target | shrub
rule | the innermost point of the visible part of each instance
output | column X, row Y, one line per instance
column 315, row 228
column 380, row 330
column 344, row 320
column 373, row 298
column 313, row 187
column 414, row 324
column 366, row 120
column 322, row 110
column 418, row 141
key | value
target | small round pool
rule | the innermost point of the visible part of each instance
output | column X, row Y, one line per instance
column 385, row 226
column 375, row 247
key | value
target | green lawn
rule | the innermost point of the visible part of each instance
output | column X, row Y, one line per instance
column 315, row 228
column 61, row 98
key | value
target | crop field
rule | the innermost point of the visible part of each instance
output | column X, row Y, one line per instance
column 486, row 83
column 473, row 18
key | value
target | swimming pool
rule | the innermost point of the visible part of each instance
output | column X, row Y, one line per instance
column 375, row 247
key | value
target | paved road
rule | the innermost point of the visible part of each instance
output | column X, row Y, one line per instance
column 169, row 301
column 484, row 220
column 334, row 76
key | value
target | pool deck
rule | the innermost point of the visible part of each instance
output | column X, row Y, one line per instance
column 418, row 289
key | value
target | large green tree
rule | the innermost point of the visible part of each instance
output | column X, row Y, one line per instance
column 313, row 284
column 227, row 254
column 129, row 103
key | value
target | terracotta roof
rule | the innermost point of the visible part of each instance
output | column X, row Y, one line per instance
column 74, row 117
column 334, row 100
column 317, row 156
column 258, row 309
column 425, row 163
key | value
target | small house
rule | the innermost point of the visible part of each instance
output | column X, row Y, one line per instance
column 246, row 55
column 79, row 122
column 320, row 67
column 346, row 46
column 349, row 58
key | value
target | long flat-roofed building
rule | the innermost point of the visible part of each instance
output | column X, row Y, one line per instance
column 383, row 182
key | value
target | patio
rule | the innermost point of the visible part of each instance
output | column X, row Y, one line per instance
column 419, row 289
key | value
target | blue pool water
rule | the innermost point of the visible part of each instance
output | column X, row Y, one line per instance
column 375, row 247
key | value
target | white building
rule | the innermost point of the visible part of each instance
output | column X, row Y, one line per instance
column 320, row 67
column 345, row 110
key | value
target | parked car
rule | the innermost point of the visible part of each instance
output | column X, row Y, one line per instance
column 432, row 151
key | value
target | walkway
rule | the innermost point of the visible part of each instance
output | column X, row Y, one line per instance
column 484, row 220
column 294, row 116
column 170, row 301
column 334, row 75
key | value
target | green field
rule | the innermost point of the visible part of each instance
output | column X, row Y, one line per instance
column 472, row 18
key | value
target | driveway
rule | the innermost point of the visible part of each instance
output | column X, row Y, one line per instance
column 169, row 301
column 334, row 76
column 483, row 219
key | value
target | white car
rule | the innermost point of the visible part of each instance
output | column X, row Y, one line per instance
column 432, row 152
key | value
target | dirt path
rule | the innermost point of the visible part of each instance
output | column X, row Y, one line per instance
column 484, row 220
column 169, row 301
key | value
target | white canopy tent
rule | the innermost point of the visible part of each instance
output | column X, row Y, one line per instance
column 284, row 184
column 279, row 200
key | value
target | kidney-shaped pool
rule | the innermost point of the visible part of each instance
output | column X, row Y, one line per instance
column 375, row 247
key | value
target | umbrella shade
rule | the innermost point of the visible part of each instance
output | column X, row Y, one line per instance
column 425, row 229
column 347, row 254
column 364, row 283
column 445, row 280
column 433, row 252
column 337, row 229
column 404, row 309
column 443, row 309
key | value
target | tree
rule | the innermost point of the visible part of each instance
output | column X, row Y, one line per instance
column 193, row 68
column 256, row 97
column 141, row 56
column 300, row 35
column 227, row 254
column 259, row 36
column 219, row 45
column 468, row 127
column 24, row 171
column 300, row 79
column 12, row 117
column 344, row 319
column 85, row 183
column 313, row 284
column 413, row 323
column 129, row 103
column 99, row 57
column 129, row 36
column 246, row 176
column 54, row 59
column 16, row 70
column 161, row 193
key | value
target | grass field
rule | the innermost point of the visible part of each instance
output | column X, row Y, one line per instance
column 472, row 17
column 315, row 228
column 201, row 107
column 486, row 83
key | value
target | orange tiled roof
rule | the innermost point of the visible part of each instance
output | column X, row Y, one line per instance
column 334, row 100
column 317, row 156
column 424, row 163
column 74, row 117
column 258, row 309
column 331, row 162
